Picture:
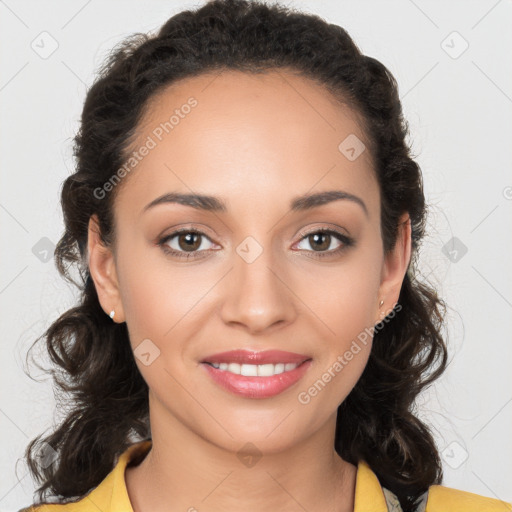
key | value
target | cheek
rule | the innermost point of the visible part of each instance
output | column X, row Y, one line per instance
column 343, row 297
column 156, row 296
column 343, row 302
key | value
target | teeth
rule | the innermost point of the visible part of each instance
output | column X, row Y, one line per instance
column 255, row 370
column 279, row 368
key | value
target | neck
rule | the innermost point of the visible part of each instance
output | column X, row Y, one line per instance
column 184, row 471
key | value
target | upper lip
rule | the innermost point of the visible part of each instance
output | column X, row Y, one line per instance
column 251, row 357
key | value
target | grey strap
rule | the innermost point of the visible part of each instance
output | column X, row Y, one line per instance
column 394, row 505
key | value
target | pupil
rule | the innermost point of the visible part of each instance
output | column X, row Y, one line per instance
column 189, row 243
column 315, row 237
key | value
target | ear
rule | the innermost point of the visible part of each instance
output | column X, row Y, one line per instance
column 395, row 267
column 103, row 272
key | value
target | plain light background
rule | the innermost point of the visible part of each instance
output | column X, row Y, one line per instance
column 452, row 63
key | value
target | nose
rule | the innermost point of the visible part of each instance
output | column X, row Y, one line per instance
column 257, row 296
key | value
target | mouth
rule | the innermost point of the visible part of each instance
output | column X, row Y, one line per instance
column 256, row 374
column 255, row 370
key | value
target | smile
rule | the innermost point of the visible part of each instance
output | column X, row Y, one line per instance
column 255, row 370
column 256, row 381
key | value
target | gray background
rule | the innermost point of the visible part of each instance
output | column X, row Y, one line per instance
column 458, row 102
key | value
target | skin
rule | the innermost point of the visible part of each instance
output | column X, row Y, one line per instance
column 256, row 142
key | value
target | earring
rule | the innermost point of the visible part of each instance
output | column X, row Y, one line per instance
column 380, row 303
column 112, row 313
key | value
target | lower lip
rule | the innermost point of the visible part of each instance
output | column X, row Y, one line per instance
column 257, row 387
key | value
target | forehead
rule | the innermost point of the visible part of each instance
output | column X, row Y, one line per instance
column 255, row 136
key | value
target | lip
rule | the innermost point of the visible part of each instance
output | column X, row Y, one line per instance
column 261, row 357
column 257, row 387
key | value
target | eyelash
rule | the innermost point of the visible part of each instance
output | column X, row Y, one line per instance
column 347, row 242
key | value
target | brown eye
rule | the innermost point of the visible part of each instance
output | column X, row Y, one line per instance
column 320, row 241
column 189, row 241
column 185, row 243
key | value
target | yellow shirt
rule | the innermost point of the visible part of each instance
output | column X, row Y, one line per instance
column 111, row 494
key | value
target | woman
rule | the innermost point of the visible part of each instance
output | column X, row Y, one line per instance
column 245, row 217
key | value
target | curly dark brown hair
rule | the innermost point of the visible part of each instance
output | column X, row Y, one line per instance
column 94, row 369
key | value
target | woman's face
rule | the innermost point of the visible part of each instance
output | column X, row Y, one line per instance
column 260, row 275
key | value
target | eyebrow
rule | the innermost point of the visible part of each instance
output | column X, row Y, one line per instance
column 215, row 204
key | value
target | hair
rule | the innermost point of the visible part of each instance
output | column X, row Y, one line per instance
column 93, row 362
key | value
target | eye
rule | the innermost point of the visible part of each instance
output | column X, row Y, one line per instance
column 321, row 240
column 188, row 243
column 184, row 243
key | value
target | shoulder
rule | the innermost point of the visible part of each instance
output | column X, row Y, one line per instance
column 370, row 495
column 110, row 495
column 441, row 498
